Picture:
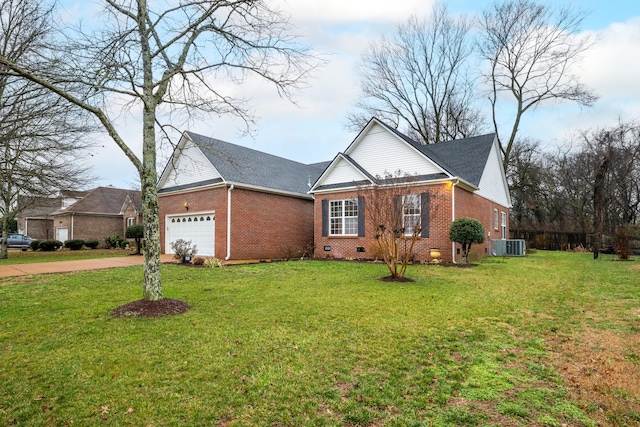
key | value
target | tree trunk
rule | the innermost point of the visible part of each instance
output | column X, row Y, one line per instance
column 152, row 286
column 4, row 254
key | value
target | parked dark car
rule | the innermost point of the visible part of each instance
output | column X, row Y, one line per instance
column 18, row 241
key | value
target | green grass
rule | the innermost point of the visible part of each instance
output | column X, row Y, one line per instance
column 306, row 343
column 16, row 256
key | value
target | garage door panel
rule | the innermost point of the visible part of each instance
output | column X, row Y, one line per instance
column 197, row 228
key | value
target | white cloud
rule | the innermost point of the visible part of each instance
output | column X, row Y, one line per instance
column 611, row 66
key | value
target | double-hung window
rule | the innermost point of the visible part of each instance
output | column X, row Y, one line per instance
column 131, row 221
column 411, row 211
column 495, row 219
column 344, row 217
column 504, row 225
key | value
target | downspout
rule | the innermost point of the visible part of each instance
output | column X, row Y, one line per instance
column 453, row 216
column 229, row 223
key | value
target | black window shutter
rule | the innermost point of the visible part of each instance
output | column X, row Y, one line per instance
column 360, row 216
column 398, row 215
column 424, row 214
column 325, row 217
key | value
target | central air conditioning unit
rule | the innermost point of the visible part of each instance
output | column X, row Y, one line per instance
column 513, row 247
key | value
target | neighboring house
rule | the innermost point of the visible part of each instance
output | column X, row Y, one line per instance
column 102, row 212
column 461, row 178
column 233, row 202
column 36, row 220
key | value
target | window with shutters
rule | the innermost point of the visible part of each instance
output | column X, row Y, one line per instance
column 343, row 217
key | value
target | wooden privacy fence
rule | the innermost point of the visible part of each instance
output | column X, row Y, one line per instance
column 564, row 241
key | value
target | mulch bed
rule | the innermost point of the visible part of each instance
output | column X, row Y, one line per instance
column 144, row 308
column 396, row 279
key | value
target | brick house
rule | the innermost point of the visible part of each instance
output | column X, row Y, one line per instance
column 233, row 202
column 102, row 212
column 461, row 178
column 35, row 218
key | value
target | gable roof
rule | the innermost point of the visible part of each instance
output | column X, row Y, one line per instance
column 465, row 159
column 101, row 200
column 245, row 166
column 39, row 207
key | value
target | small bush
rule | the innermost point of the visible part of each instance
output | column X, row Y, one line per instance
column 183, row 248
column 92, row 244
column 114, row 241
column 213, row 263
column 198, row 261
column 49, row 245
column 135, row 232
column 622, row 242
column 34, row 244
column 74, row 244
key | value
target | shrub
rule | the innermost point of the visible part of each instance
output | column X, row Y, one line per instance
column 74, row 244
column 198, row 261
column 466, row 231
column 91, row 244
column 49, row 245
column 135, row 232
column 114, row 241
column 213, row 263
column 622, row 241
column 182, row 249
column 34, row 244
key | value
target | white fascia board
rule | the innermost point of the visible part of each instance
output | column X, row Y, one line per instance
column 237, row 185
column 331, row 166
column 170, row 162
column 502, row 172
column 461, row 183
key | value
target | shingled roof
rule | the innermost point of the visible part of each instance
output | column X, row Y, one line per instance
column 102, row 200
column 242, row 165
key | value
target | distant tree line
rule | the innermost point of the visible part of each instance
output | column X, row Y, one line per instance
column 592, row 188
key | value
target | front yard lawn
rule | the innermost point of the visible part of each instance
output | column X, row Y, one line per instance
column 546, row 340
column 17, row 256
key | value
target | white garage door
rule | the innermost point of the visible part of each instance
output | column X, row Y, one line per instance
column 199, row 228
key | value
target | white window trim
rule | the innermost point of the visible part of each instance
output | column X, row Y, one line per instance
column 504, row 225
column 343, row 217
column 495, row 219
column 417, row 206
column 131, row 221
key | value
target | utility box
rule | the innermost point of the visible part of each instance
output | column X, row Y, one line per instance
column 511, row 247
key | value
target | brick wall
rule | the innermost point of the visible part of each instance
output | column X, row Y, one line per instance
column 264, row 225
column 89, row 227
column 213, row 199
column 473, row 206
column 39, row 229
column 467, row 204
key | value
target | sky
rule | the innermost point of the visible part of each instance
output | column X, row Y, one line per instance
column 314, row 129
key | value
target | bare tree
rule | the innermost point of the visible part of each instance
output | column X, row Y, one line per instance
column 418, row 80
column 165, row 57
column 530, row 49
column 399, row 215
column 40, row 134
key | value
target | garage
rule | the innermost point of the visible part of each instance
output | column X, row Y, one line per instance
column 198, row 228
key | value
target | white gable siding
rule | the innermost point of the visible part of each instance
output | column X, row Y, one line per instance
column 380, row 152
column 492, row 185
column 190, row 166
column 342, row 172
